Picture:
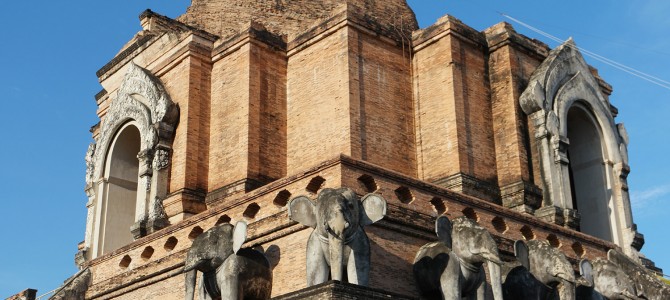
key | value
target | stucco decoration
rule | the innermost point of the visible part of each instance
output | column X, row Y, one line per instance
column 142, row 100
column 90, row 164
column 161, row 159
column 561, row 82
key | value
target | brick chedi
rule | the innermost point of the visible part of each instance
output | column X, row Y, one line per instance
column 226, row 18
column 250, row 118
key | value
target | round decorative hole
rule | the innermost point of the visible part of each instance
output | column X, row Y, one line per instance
column 251, row 211
column 282, row 198
column 125, row 262
column 499, row 225
column 315, row 184
column 404, row 195
column 438, row 205
column 527, row 233
column 195, row 232
column 222, row 219
column 147, row 253
column 471, row 214
column 170, row 243
column 368, row 183
column 554, row 241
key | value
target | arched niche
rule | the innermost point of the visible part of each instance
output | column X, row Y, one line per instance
column 127, row 165
column 121, row 175
column 581, row 151
column 588, row 178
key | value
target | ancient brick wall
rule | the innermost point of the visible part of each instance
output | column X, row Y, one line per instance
column 265, row 118
column 453, row 108
column 226, row 18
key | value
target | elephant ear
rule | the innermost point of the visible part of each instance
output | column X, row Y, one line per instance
column 443, row 230
column 521, row 253
column 239, row 235
column 303, row 211
column 374, row 209
column 586, row 270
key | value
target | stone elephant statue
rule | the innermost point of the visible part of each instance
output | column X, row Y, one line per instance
column 646, row 285
column 338, row 242
column 229, row 271
column 610, row 281
column 452, row 267
column 545, row 273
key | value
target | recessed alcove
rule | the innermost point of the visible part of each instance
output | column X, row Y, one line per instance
column 368, row 183
column 282, row 198
column 404, row 195
column 438, row 205
column 170, row 244
column 195, row 232
column 315, row 184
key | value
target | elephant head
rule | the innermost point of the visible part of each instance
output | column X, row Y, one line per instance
column 474, row 245
column 453, row 266
column 338, row 217
column 209, row 251
column 612, row 282
column 548, row 265
column 645, row 284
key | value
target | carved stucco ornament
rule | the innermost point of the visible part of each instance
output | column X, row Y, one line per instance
column 142, row 99
column 90, row 164
column 161, row 159
column 561, row 81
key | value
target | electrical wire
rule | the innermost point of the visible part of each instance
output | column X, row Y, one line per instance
column 632, row 71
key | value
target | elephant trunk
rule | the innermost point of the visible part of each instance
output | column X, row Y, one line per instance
column 566, row 290
column 336, row 257
column 190, row 283
column 336, row 228
column 496, row 279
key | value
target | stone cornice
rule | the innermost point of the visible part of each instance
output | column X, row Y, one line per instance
column 393, row 217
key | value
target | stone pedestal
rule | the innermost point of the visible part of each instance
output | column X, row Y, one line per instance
column 339, row 290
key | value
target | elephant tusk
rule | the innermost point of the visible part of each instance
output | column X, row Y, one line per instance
column 565, row 277
column 493, row 259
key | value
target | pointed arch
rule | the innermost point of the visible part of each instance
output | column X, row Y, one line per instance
column 563, row 95
column 141, row 106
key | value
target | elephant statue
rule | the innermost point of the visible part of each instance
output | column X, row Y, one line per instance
column 545, row 273
column 453, row 267
column 229, row 271
column 338, row 242
column 612, row 282
column 643, row 283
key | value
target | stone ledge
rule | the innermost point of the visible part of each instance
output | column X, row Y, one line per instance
column 470, row 185
column 339, row 290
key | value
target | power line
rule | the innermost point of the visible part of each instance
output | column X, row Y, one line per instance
column 632, row 71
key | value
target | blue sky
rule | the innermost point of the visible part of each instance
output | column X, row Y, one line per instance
column 51, row 50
